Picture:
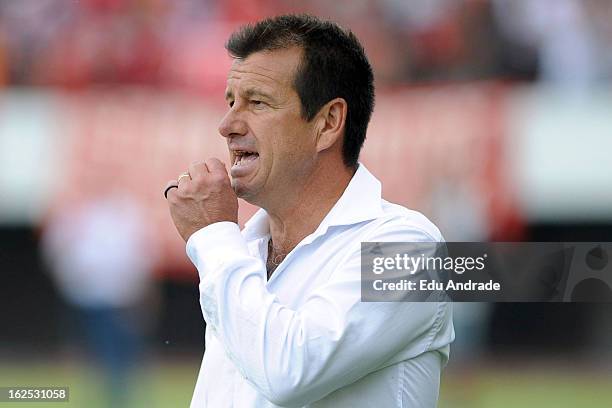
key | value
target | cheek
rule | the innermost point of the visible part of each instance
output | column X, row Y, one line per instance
column 285, row 142
column 290, row 149
column 295, row 156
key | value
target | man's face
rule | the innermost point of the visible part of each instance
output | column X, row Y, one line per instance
column 272, row 148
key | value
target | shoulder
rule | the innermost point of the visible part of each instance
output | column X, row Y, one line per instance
column 399, row 223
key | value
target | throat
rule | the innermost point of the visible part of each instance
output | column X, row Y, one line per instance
column 275, row 258
column 270, row 267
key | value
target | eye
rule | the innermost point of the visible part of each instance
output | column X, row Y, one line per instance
column 231, row 103
column 256, row 102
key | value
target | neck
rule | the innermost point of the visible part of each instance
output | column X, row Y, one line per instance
column 295, row 218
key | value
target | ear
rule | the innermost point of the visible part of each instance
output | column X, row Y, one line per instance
column 331, row 120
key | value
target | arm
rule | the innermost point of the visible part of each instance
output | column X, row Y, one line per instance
column 295, row 357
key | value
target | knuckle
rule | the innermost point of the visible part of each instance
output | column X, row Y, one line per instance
column 196, row 168
column 217, row 178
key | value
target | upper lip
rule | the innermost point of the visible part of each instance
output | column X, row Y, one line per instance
column 238, row 150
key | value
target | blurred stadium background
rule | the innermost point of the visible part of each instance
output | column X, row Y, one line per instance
column 493, row 117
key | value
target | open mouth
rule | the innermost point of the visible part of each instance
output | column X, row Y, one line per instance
column 245, row 162
column 242, row 157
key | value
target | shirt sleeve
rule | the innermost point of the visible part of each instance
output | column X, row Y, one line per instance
column 296, row 357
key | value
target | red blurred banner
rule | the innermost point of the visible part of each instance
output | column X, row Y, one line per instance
column 438, row 150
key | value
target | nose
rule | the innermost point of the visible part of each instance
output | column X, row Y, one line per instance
column 232, row 124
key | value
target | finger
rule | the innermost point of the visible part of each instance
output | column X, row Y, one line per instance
column 172, row 185
column 198, row 170
column 183, row 181
column 218, row 171
column 215, row 166
column 186, row 176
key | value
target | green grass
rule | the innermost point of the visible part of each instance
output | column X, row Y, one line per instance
column 538, row 388
column 156, row 386
column 170, row 384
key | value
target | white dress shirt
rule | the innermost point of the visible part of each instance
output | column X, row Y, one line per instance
column 304, row 338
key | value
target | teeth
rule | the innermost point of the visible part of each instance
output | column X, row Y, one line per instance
column 241, row 155
column 238, row 161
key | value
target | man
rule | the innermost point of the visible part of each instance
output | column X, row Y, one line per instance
column 281, row 298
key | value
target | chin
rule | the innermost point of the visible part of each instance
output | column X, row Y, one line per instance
column 246, row 193
column 241, row 190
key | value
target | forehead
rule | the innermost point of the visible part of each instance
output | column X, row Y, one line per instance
column 269, row 69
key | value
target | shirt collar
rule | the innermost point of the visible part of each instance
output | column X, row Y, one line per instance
column 361, row 201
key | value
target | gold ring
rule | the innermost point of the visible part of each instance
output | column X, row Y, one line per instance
column 178, row 180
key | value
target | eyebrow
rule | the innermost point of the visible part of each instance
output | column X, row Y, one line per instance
column 249, row 93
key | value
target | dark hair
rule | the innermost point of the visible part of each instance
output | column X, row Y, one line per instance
column 334, row 65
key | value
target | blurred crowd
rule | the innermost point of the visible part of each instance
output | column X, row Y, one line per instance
column 164, row 43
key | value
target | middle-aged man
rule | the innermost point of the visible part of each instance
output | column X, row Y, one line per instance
column 281, row 298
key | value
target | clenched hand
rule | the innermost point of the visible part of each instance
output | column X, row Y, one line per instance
column 203, row 198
